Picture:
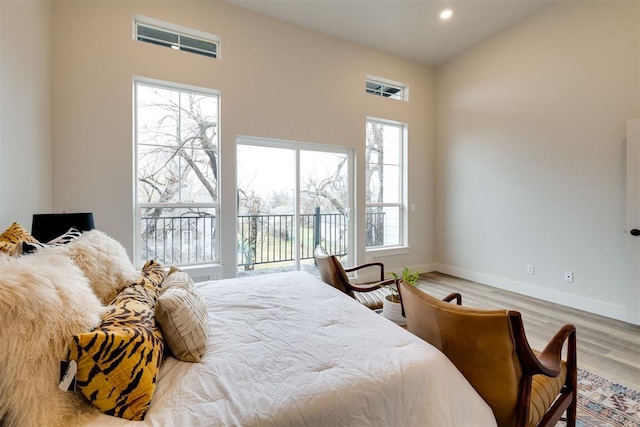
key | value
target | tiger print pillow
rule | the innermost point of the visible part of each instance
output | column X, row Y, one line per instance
column 11, row 239
column 119, row 360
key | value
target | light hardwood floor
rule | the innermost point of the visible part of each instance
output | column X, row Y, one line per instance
column 606, row 347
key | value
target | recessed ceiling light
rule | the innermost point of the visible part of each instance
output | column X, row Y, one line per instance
column 446, row 14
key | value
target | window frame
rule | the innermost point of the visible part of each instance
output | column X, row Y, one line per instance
column 297, row 147
column 401, row 95
column 179, row 31
column 138, row 206
column 402, row 246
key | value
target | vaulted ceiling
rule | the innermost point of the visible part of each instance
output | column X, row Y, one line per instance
column 408, row 28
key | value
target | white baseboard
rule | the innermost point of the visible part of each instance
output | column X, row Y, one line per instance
column 613, row 311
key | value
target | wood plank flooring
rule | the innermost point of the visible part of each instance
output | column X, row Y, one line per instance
column 606, row 347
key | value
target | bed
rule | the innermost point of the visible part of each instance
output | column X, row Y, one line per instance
column 288, row 350
column 275, row 350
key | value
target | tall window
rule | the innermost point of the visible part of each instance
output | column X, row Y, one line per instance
column 384, row 186
column 176, row 130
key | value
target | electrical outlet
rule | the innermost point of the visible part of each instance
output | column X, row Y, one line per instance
column 568, row 276
column 530, row 268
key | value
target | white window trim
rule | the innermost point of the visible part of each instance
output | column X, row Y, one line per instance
column 380, row 251
column 211, row 268
column 403, row 246
column 402, row 86
column 310, row 146
column 152, row 22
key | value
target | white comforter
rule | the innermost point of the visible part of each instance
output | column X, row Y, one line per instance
column 289, row 350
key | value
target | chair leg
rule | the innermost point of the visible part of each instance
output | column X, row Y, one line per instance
column 571, row 410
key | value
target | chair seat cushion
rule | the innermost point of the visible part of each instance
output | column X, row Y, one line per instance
column 372, row 299
column 544, row 391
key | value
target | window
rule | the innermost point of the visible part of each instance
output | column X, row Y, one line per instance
column 384, row 185
column 176, row 133
column 176, row 37
column 292, row 196
column 387, row 88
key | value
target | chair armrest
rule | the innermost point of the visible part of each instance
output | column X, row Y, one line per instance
column 548, row 362
column 370, row 264
column 551, row 356
column 454, row 296
column 371, row 286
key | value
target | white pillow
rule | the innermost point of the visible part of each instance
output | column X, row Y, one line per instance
column 182, row 315
column 46, row 300
column 103, row 260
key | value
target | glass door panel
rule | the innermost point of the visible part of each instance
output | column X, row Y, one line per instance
column 266, row 185
column 324, row 204
column 290, row 199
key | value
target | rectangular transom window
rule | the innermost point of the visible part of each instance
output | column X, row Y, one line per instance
column 386, row 88
column 176, row 37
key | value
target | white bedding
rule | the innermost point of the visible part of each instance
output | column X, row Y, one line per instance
column 289, row 350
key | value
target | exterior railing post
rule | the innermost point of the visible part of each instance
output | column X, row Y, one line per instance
column 316, row 228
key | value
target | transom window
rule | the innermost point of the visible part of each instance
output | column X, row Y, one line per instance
column 386, row 88
column 176, row 132
column 176, row 37
column 384, row 185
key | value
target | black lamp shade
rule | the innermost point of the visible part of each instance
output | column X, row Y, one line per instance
column 46, row 227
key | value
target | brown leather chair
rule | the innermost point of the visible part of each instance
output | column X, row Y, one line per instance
column 332, row 272
column 491, row 350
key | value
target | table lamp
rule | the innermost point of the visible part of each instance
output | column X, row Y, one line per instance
column 46, row 227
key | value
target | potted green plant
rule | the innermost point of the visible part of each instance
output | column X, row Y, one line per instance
column 391, row 308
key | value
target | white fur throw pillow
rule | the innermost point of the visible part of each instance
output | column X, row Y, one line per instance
column 46, row 300
column 104, row 261
column 182, row 315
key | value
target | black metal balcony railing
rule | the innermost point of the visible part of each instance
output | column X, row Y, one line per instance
column 262, row 239
column 269, row 238
column 179, row 240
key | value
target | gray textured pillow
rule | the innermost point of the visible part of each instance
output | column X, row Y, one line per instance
column 182, row 315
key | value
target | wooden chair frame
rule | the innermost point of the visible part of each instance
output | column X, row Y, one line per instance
column 333, row 273
column 547, row 363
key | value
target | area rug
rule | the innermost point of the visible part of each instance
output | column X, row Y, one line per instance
column 603, row 403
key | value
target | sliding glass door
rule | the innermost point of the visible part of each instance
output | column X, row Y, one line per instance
column 291, row 197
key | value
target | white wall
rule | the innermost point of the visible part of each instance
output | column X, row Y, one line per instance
column 530, row 142
column 276, row 80
column 531, row 130
column 25, row 111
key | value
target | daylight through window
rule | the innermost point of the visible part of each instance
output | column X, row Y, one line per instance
column 384, row 185
column 177, row 173
column 386, row 89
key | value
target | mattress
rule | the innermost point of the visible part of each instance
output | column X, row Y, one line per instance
column 289, row 350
